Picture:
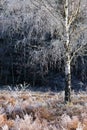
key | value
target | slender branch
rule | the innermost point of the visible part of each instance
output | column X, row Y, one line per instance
column 51, row 12
column 80, row 31
column 84, row 54
column 74, row 15
column 76, row 51
column 77, row 34
column 34, row 4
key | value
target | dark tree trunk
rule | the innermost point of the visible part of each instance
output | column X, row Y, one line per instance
column 67, row 82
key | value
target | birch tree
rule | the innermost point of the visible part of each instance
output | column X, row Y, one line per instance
column 69, row 20
column 67, row 49
column 73, row 35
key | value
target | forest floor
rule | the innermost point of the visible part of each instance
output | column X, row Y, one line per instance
column 30, row 110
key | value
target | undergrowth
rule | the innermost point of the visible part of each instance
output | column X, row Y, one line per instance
column 27, row 110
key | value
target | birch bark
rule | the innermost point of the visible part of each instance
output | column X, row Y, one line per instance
column 67, row 62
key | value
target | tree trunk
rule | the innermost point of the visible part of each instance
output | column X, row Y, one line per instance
column 67, row 80
column 67, row 53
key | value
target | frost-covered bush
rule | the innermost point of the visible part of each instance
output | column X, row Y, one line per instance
column 27, row 110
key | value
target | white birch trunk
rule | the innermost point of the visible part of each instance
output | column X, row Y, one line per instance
column 67, row 63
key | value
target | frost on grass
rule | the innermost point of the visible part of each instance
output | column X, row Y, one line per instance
column 25, row 110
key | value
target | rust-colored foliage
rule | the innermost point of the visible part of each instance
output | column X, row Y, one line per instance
column 42, row 111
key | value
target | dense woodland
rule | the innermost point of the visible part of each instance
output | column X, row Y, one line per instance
column 31, row 42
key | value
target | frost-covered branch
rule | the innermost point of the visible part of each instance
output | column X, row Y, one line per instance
column 76, row 51
column 50, row 8
column 74, row 15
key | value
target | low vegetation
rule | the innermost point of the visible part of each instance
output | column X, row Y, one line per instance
column 28, row 110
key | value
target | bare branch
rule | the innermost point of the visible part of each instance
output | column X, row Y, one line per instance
column 74, row 15
column 77, row 34
column 81, row 30
column 76, row 51
column 51, row 12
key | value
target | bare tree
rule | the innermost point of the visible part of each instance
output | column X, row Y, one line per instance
column 69, row 20
column 71, row 16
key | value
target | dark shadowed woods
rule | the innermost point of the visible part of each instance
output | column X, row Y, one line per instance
column 31, row 43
